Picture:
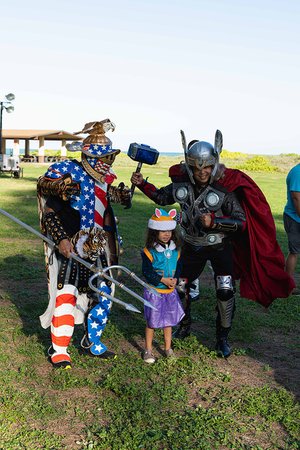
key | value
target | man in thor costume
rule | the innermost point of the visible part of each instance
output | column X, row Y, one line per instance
column 225, row 219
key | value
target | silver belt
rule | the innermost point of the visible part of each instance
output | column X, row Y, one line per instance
column 204, row 241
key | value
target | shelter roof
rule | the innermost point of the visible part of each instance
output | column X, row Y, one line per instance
column 49, row 135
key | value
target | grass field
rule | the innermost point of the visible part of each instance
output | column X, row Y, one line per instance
column 198, row 401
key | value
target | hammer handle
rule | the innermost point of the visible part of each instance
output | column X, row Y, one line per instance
column 137, row 170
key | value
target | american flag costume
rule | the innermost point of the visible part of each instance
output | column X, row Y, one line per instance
column 86, row 209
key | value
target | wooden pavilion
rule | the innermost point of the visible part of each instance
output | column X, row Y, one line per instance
column 41, row 136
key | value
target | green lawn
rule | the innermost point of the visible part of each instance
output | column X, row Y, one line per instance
column 196, row 402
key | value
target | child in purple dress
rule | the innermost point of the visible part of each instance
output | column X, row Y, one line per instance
column 161, row 268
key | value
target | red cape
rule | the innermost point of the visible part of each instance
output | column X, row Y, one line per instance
column 258, row 259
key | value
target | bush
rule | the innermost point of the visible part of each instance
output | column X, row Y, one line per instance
column 290, row 155
column 257, row 164
column 232, row 155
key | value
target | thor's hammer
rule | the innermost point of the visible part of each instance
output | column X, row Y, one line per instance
column 142, row 154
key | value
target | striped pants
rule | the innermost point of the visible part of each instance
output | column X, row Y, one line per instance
column 63, row 322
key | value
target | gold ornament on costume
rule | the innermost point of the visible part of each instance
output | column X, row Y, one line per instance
column 97, row 153
column 96, row 131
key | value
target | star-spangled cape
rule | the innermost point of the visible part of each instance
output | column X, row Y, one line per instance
column 85, row 202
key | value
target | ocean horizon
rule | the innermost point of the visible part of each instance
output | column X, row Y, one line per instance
column 9, row 151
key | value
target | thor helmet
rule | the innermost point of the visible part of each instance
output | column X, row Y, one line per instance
column 202, row 154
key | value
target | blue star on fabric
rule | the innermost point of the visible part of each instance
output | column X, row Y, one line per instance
column 96, row 150
column 97, row 320
column 85, row 202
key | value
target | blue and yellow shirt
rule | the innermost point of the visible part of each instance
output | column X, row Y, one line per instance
column 161, row 261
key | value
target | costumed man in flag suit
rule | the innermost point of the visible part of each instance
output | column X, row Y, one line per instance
column 225, row 219
column 75, row 212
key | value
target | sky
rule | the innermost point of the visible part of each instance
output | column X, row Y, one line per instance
column 155, row 67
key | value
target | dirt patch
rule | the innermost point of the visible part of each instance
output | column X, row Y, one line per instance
column 73, row 429
column 280, row 358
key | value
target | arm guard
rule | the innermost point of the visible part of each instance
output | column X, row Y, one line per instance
column 54, row 227
column 234, row 218
column 62, row 187
column 120, row 194
column 162, row 196
column 228, row 224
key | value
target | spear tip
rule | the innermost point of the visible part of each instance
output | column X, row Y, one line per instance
column 132, row 308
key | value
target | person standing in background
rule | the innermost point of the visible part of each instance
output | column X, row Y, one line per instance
column 291, row 220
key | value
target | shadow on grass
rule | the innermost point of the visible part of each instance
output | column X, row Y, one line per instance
column 25, row 285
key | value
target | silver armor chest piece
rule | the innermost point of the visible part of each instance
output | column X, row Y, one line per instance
column 209, row 200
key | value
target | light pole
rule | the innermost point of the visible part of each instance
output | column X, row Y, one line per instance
column 5, row 104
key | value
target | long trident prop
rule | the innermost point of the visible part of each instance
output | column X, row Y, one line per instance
column 98, row 272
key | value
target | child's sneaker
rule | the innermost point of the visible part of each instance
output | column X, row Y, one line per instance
column 169, row 353
column 148, row 357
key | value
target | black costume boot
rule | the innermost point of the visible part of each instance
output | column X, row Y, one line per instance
column 182, row 332
column 223, row 348
column 222, row 345
column 225, row 312
column 184, row 329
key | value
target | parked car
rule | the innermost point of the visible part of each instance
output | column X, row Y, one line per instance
column 11, row 164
